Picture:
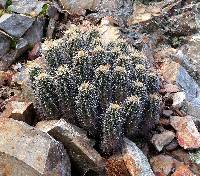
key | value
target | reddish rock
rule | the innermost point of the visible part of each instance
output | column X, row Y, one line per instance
column 164, row 164
column 164, row 121
column 5, row 77
column 161, row 140
column 169, row 88
column 22, row 111
column 187, row 133
column 131, row 162
column 183, row 156
column 183, row 170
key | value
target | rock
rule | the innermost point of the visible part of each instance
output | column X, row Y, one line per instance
column 25, row 150
column 183, row 24
column 175, row 73
column 162, row 164
column 178, row 99
column 185, row 157
column 131, row 162
column 79, row 147
column 22, row 111
column 35, row 33
column 161, row 140
column 183, row 170
column 170, row 88
column 143, row 13
column 167, row 113
column 78, row 6
column 5, row 77
column 2, row 4
column 172, row 145
column 5, row 42
column 15, row 25
column 30, row 7
column 187, row 133
column 9, row 58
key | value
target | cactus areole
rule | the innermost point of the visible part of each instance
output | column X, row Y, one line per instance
column 106, row 90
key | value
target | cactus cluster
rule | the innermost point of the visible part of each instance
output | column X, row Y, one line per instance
column 105, row 89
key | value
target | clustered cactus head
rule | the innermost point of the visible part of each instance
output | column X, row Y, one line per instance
column 104, row 89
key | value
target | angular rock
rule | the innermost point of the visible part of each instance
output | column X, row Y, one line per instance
column 164, row 164
column 2, row 4
column 79, row 147
column 167, row 113
column 170, row 88
column 183, row 170
column 174, row 72
column 187, row 134
column 143, row 13
column 161, row 140
column 78, row 6
column 172, row 145
column 22, row 111
column 178, row 99
column 9, row 58
column 185, row 157
column 25, row 150
column 5, row 42
column 31, row 7
column 15, row 25
column 131, row 162
column 35, row 33
column 5, row 77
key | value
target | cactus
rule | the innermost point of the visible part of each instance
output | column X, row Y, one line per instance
column 86, row 107
column 112, row 135
column 133, row 108
column 105, row 89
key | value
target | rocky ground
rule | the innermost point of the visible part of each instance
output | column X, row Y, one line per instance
column 168, row 32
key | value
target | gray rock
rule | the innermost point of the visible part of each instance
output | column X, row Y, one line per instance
column 130, row 162
column 9, row 58
column 2, row 4
column 21, row 111
column 161, row 140
column 5, row 42
column 140, row 159
column 35, row 33
column 78, row 6
column 172, row 145
column 75, row 140
column 31, row 7
column 25, row 150
column 15, row 25
column 178, row 99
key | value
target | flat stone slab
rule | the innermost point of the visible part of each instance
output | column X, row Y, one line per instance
column 15, row 25
column 31, row 7
column 25, row 150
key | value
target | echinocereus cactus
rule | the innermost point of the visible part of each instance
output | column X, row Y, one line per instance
column 105, row 89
